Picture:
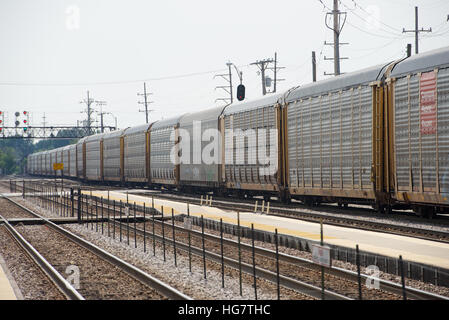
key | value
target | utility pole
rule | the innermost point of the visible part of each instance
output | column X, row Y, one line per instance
column 262, row 65
column 101, row 104
column 275, row 72
column 145, row 102
column 228, row 88
column 337, row 28
column 313, row 66
column 89, row 111
column 409, row 49
column 416, row 31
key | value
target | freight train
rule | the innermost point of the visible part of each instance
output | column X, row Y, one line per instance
column 378, row 136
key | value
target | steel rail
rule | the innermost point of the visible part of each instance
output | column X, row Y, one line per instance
column 346, row 222
column 268, row 275
column 136, row 273
column 55, row 277
column 385, row 285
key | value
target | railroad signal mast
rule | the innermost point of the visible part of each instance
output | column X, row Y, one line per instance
column 26, row 122
column 2, row 121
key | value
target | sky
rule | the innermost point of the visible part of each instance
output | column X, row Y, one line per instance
column 53, row 51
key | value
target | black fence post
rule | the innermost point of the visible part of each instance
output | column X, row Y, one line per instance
column 174, row 238
column 135, row 227
column 189, row 238
column 113, row 219
column 163, row 231
column 144, row 229
column 254, row 261
column 359, row 278
column 102, row 215
column 120, row 220
column 278, row 282
column 80, row 198
column 154, row 237
column 72, row 207
column 240, row 253
column 96, row 214
column 222, row 256
column 127, row 221
column 401, row 270
column 204, row 249
column 109, row 221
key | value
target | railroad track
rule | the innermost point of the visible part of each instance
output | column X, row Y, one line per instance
column 102, row 273
column 54, row 276
column 299, row 270
column 340, row 281
column 288, row 211
column 299, row 263
column 294, row 211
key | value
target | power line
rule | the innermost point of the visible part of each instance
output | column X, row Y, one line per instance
column 75, row 84
column 356, row 5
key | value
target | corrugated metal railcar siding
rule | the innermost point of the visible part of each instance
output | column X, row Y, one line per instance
column 162, row 167
column 329, row 139
column 135, row 157
column 93, row 158
column 79, row 161
column 111, row 159
column 415, row 153
column 245, row 169
column 443, row 129
column 65, row 160
column 72, row 169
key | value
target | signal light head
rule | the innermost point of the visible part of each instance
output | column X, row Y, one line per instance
column 240, row 92
column 25, row 112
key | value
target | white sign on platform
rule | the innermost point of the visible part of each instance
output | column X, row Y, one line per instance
column 321, row 255
column 188, row 223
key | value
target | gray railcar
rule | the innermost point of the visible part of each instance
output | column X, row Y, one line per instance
column 201, row 160
column 163, row 137
column 329, row 145
column 247, row 128
column 94, row 157
column 420, row 98
column 81, row 159
column 66, row 160
column 72, row 161
column 112, row 156
column 136, row 154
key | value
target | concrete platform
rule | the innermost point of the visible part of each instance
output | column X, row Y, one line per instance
column 8, row 287
column 421, row 251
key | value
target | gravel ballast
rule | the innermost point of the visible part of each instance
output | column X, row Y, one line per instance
column 32, row 282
